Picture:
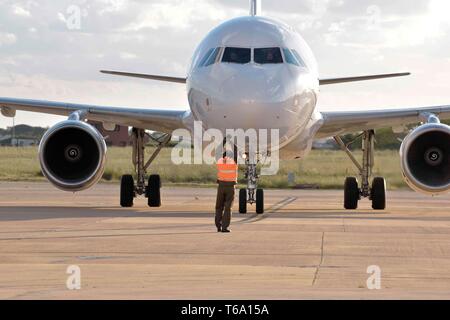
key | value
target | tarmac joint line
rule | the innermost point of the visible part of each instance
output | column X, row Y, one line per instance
column 316, row 274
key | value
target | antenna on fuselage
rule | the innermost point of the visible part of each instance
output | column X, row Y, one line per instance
column 255, row 7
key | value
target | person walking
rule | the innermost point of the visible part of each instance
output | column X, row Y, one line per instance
column 227, row 176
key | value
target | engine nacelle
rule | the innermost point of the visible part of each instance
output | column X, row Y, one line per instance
column 425, row 159
column 72, row 155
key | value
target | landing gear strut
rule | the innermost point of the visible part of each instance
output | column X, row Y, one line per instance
column 376, row 192
column 251, row 195
column 152, row 191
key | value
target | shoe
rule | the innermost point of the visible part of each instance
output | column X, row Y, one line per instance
column 226, row 231
column 219, row 229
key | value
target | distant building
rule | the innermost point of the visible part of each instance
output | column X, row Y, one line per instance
column 119, row 137
column 17, row 141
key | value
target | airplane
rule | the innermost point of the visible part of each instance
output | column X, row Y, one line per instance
column 249, row 72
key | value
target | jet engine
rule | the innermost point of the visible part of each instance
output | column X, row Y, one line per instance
column 425, row 158
column 72, row 155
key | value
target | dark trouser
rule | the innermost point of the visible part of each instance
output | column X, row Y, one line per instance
column 224, row 203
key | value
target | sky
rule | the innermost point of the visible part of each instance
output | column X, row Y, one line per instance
column 46, row 52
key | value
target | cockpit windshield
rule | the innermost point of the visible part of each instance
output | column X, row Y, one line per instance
column 268, row 56
column 261, row 56
column 237, row 55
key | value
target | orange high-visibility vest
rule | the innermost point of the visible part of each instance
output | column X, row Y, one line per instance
column 227, row 170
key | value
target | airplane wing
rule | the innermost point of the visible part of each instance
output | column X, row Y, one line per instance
column 157, row 120
column 338, row 123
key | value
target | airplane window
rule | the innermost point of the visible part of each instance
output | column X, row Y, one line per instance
column 237, row 55
column 290, row 58
column 206, row 57
column 299, row 58
column 212, row 57
column 268, row 55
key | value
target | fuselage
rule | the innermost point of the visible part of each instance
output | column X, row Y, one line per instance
column 256, row 73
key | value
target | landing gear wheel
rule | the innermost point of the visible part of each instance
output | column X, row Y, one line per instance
column 378, row 193
column 351, row 193
column 260, row 201
column 154, row 191
column 126, row 191
column 243, row 201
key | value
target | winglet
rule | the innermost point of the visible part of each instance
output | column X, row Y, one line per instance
column 324, row 82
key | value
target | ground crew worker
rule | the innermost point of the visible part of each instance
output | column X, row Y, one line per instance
column 227, row 175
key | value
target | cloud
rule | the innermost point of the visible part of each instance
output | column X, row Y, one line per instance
column 7, row 39
column 379, row 28
column 20, row 11
column 42, row 58
column 128, row 55
column 111, row 6
column 175, row 14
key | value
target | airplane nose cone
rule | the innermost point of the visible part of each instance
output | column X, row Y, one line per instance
column 264, row 97
column 257, row 85
column 254, row 97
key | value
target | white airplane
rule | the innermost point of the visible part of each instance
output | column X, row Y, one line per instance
column 249, row 72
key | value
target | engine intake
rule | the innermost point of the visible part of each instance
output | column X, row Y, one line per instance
column 73, row 155
column 425, row 159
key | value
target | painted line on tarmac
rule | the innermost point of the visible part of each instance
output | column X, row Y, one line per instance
column 280, row 205
column 273, row 209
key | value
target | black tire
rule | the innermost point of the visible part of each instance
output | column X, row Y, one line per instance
column 154, row 191
column 260, row 201
column 378, row 193
column 243, row 201
column 351, row 193
column 126, row 191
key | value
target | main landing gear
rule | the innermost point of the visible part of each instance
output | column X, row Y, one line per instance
column 152, row 190
column 251, row 195
column 353, row 193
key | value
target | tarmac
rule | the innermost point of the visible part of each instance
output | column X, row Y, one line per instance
column 305, row 247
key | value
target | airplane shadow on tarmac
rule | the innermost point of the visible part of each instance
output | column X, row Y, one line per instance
column 24, row 213
column 31, row 213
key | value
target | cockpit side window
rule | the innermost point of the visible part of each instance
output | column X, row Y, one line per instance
column 299, row 58
column 237, row 55
column 212, row 57
column 268, row 56
column 205, row 58
column 209, row 58
column 290, row 58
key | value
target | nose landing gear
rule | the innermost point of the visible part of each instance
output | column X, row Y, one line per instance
column 251, row 195
column 152, row 191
